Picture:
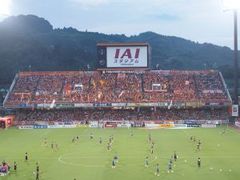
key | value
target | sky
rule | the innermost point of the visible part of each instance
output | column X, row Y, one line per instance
column 197, row 20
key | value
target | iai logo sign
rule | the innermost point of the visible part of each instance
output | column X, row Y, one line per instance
column 133, row 56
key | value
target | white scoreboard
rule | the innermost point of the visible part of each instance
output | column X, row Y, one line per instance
column 125, row 55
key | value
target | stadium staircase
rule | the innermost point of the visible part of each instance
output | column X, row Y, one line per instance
column 35, row 90
column 225, row 86
column 142, row 84
column 89, row 82
column 11, row 88
column 196, row 86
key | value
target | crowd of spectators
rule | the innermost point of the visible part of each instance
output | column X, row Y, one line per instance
column 84, row 115
column 210, row 87
column 127, row 87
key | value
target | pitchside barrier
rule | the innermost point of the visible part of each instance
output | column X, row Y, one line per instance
column 25, row 127
column 109, row 124
column 179, row 126
column 93, row 124
column 128, row 124
column 62, row 126
column 158, row 126
column 40, row 126
column 209, row 125
column 124, row 125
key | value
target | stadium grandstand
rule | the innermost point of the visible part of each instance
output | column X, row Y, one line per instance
column 122, row 89
column 118, row 95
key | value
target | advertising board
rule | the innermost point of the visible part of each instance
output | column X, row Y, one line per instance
column 118, row 57
column 235, row 110
column 123, row 55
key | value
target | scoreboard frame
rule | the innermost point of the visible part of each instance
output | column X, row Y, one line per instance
column 102, row 55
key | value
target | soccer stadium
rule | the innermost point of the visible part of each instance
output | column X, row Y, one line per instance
column 120, row 121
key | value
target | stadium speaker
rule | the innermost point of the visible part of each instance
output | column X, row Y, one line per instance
column 101, row 56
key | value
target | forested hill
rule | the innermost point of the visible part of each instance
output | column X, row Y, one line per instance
column 29, row 42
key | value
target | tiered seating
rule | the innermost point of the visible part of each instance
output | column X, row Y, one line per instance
column 29, row 116
column 210, row 87
column 97, row 87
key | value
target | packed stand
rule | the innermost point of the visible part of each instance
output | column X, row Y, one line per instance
column 125, row 87
column 210, row 87
column 27, row 117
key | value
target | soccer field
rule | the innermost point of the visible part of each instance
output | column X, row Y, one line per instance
column 87, row 159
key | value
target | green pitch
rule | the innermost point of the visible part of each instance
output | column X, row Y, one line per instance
column 86, row 159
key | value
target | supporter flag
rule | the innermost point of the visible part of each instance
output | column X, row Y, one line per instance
column 52, row 104
column 102, row 82
column 170, row 105
column 67, row 89
column 100, row 94
column 120, row 95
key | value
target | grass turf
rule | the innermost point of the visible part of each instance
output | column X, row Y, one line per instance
column 89, row 160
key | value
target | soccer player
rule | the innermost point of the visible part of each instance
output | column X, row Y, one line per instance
column 199, row 142
column 56, row 146
column 224, row 131
column 37, row 171
column 146, row 162
column 199, row 162
column 52, row 145
column 26, row 156
column 37, row 175
column 15, row 166
column 157, row 173
column 45, row 141
column 170, row 167
column 37, row 167
column 113, row 163
column 108, row 147
column 149, row 138
column 175, row 156
column 194, row 139
column 131, row 133
column 151, row 150
column 152, row 145
column 116, row 158
column 110, row 139
column 91, row 135
column 171, row 160
column 198, row 146
column 73, row 140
